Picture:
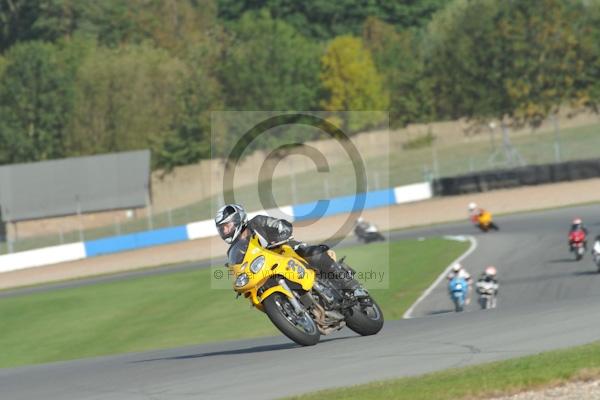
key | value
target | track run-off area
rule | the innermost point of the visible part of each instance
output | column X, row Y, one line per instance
column 546, row 301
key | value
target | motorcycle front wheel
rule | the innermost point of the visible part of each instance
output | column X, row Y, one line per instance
column 302, row 329
column 458, row 305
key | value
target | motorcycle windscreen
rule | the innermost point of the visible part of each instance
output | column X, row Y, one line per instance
column 237, row 251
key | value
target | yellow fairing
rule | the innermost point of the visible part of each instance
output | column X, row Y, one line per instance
column 485, row 218
column 281, row 262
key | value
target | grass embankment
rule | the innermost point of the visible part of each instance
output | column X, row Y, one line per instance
column 482, row 381
column 401, row 168
column 181, row 308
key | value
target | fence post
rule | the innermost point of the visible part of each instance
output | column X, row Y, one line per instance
column 10, row 237
column 435, row 161
column 149, row 209
column 81, row 236
column 507, row 145
column 556, row 138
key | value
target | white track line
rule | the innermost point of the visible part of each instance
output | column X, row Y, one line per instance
column 442, row 276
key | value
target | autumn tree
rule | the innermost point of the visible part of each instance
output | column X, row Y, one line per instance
column 351, row 81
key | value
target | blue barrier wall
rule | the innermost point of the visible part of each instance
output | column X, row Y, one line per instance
column 135, row 241
column 345, row 204
column 312, row 210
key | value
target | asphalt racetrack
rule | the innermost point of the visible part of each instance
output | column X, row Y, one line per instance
column 547, row 301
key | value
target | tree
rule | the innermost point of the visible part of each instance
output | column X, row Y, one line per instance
column 351, row 81
column 126, row 99
column 50, row 20
column 399, row 59
column 269, row 66
column 588, row 87
column 323, row 19
column 465, row 61
column 515, row 60
column 201, row 93
column 16, row 20
column 169, row 24
column 174, row 24
column 36, row 98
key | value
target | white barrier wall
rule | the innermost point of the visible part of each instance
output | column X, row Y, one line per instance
column 414, row 192
column 43, row 256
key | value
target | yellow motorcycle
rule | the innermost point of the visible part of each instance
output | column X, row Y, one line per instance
column 484, row 221
column 280, row 283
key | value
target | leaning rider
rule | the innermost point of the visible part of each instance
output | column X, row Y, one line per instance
column 458, row 271
column 577, row 226
column 489, row 275
column 236, row 230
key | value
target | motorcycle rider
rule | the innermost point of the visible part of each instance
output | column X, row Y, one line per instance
column 474, row 212
column 481, row 218
column 576, row 226
column 235, row 229
column 489, row 275
column 596, row 248
column 362, row 224
column 458, row 270
column 366, row 231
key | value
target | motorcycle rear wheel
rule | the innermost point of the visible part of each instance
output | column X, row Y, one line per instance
column 484, row 302
column 365, row 322
column 302, row 329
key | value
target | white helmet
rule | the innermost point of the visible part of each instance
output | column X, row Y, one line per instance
column 233, row 214
column 456, row 267
column 490, row 270
column 472, row 206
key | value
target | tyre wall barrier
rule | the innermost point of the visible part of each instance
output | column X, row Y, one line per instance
column 521, row 176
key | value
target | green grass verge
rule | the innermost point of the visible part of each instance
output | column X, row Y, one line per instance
column 181, row 308
column 481, row 381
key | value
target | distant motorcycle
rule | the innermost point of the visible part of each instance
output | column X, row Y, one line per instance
column 596, row 255
column 577, row 243
column 367, row 233
column 597, row 260
column 487, row 294
column 458, row 292
column 484, row 221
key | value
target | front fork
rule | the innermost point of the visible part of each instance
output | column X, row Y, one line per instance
column 295, row 303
